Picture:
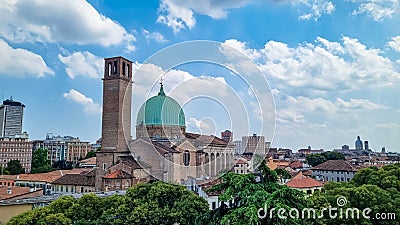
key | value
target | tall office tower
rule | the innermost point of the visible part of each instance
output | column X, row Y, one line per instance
column 254, row 144
column 11, row 115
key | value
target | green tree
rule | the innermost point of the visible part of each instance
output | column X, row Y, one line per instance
column 147, row 204
column 40, row 162
column 373, row 188
column 63, row 165
column 242, row 198
column 14, row 167
column 332, row 155
column 4, row 171
column 283, row 173
column 90, row 154
column 315, row 159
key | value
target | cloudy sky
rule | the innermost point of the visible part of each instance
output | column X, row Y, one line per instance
column 333, row 67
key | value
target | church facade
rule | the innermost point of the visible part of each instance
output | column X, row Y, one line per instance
column 162, row 149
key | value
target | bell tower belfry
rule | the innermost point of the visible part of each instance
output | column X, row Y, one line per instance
column 116, row 115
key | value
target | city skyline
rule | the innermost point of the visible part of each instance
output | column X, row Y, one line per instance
column 333, row 67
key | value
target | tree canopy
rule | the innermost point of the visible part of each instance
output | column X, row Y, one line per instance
column 156, row 203
column 4, row 171
column 40, row 162
column 14, row 167
column 316, row 159
column 90, row 154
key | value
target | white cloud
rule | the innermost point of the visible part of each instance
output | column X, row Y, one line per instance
column 66, row 21
column 21, row 62
column 302, row 109
column 83, row 64
column 326, row 65
column 242, row 46
column 205, row 126
column 358, row 104
column 153, row 36
column 180, row 14
column 377, row 9
column 395, row 43
column 314, row 8
column 88, row 104
column 388, row 125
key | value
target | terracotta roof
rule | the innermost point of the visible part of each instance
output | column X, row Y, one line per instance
column 76, row 179
column 273, row 164
column 164, row 147
column 241, row 161
column 16, row 191
column 50, row 176
column 335, row 165
column 307, row 173
column 129, row 161
column 296, row 164
column 206, row 185
column 89, row 161
column 299, row 175
column 304, row 183
column 206, row 139
column 8, row 177
column 118, row 174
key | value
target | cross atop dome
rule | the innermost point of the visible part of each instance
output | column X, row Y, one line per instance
column 161, row 92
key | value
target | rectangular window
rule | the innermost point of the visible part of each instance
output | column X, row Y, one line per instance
column 213, row 205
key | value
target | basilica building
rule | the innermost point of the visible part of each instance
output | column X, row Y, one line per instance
column 162, row 149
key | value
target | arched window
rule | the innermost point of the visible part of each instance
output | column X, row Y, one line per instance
column 115, row 67
column 123, row 68
column 186, row 158
column 109, row 69
column 127, row 70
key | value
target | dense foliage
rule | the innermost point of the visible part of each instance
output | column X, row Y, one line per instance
column 90, row 154
column 156, row 203
column 316, row 159
column 4, row 171
column 40, row 162
column 63, row 165
column 377, row 189
column 247, row 199
column 14, row 167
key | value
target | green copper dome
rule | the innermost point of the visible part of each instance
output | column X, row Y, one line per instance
column 161, row 110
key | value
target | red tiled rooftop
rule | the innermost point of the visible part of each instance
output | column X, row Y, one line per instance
column 335, row 165
column 241, row 161
column 118, row 174
column 296, row 164
column 50, row 176
column 304, row 183
column 15, row 192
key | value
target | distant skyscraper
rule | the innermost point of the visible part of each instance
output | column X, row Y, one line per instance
column 359, row 144
column 254, row 144
column 227, row 136
column 11, row 115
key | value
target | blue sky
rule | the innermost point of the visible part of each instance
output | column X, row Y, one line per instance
column 333, row 66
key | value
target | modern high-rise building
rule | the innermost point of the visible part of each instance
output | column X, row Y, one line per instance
column 63, row 147
column 254, row 144
column 16, row 148
column 11, row 115
column 238, row 147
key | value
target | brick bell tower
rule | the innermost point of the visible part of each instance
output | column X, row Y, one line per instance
column 116, row 118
